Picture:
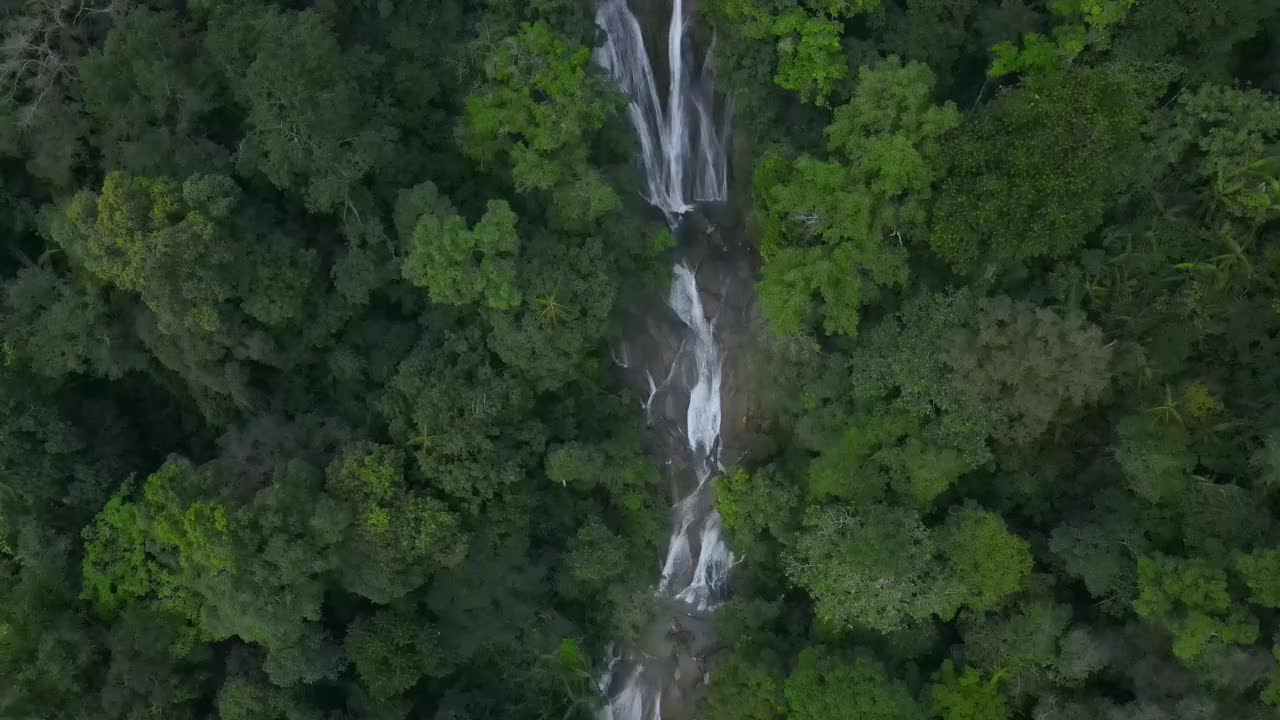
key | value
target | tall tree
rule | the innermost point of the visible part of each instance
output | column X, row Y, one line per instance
column 1032, row 174
column 835, row 228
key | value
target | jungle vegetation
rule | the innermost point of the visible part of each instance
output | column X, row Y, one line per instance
column 305, row 410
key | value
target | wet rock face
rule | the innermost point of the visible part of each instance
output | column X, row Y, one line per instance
column 725, row 268
column 682, row 355
column 726, row 276
column 657, row 363
column 655, row 346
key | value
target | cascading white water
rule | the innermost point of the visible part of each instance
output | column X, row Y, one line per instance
column 713, row 180
column 685, row 161
column 714, row 562
column 702, row 428
column 704, row 576
column 633, row 702
column 677, row 138
column 681, row 147
column 704, row 397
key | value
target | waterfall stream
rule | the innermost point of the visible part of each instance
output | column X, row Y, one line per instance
column 681, row 146
column 683, row 154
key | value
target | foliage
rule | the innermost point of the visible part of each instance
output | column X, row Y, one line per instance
column 901, row 362
column 989, row 562
column 213, row 291
column 810, row 57
column 1224, row 138
column 390, row 652
column 1101, row 551
column 597, row 557
column 1030, row 364
column 824, row 686
column 148, row 105
column 835, row 228
column 457, row 264
column 312, row 125
column 1080, row 25
column 538, row 109
column 313, row 404
column 966, row 695
column 876, row 567
column 1020, row 644
column 1202, row 40
column 1043, row 197
column 464, row 417
column 755, row 504
column 1190, row 599
column 1260, row 571
column 746, row 690
column 399, row 535
column 1155, row 458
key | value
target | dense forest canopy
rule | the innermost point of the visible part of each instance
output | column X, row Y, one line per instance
column 306, row 409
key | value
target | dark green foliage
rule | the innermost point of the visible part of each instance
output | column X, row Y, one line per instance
column 306, row 408
column 60, row 328
column 284, row 355
column 901, row 362
column 824, row 686
column 1042, row 472
column 567, row 302
column 1021, row 644
column 212, row 292
column 150, row 671
column 988, row 562
column 746, row 690
column 48, row 478
column 966, row 696
column 1101, row 550
column 466, row 420
column 1190, row 599
column 1030, row 366
column 938, row 33
column 312, row 123
column 391, row 651
column 1203, row 40
column 148, row 104
column 597, row 557
column 1078, row 137
column 835, row 228
column 398, row 536
column 876, row 568
column 49, row 654
column 1155, row 458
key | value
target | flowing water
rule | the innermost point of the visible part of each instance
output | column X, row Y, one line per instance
column 681, row 146
column 684, row 158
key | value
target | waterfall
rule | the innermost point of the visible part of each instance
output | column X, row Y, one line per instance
column 713, row 180
column 702, row 431
column 683, row 154
column 703, row 421
column 704, row 574
column 702, row 434
column 633, row 702
column 681, row 147
column 714, row 561
column 677, row 140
